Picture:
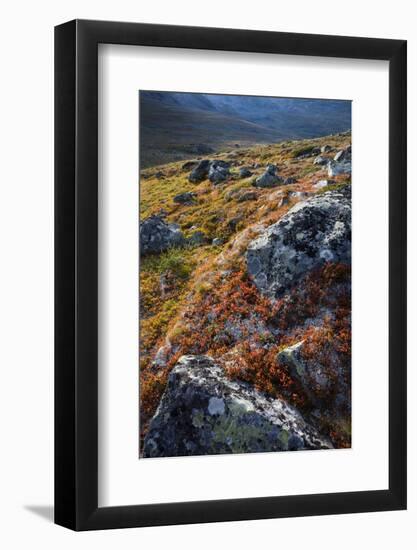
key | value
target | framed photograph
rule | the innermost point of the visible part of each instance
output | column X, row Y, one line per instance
column 230, row 275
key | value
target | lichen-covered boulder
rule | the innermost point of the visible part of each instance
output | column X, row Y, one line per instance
column 202, row 412
column 157, row 236
column 312, row 233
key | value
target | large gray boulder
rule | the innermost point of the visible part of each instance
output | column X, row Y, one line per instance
column 313, row 232
column 157, row 236
column 202, row 412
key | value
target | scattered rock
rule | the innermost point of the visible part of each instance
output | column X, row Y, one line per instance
column 217, row 241
column 197, row 238
column 247, row 196
column 307, row 152
column 320, row 160
column 184, row 198
column 325, row 149
column 218, row 171
column 344, row 154
column 189, row 165
column 156, row 236
column 337, row 168
column 289, row 181
column 232, row 223
column 203, row 412
column 200, row 172
column 322, row 183
column 269, row 178
column 159, row 175
column 285, row 200
column 244, row 172
column 299, row 194
column 313, row 232
column 161, row 356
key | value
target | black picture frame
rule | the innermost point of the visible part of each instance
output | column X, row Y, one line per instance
column 76, row 272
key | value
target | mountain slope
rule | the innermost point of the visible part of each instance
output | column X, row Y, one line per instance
column 175, row 125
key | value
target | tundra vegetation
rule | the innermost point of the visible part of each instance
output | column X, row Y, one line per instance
column 200, row 294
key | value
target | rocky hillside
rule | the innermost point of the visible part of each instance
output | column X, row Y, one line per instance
column 245, row 300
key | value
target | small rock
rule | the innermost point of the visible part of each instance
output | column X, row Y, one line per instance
column 299, row 194
column 325, row 149
column 197, row 238
column 232, row 223
column 248, row 196
column 244, row 172
column 218, row 171
column 217, row 241
column 289, row 181
column 269, row 178
column 336, row 168
column 200, row 172
column 320, row 160
column 156, row 236
column 321, row 183
column 284, row 201
column 344, row 154
column 184, row 198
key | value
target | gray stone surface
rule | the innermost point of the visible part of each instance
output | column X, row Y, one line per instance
column 337, row 168
column 269, row 178
column 202, row 412
column 313, row 232
column 200, row 172
column 197, row 238
column 157, row 236
column 321, row 161
column 184, row 198
column 218, row 171
column 244, row 172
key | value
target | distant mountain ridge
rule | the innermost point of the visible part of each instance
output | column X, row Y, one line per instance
column 174, row 124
